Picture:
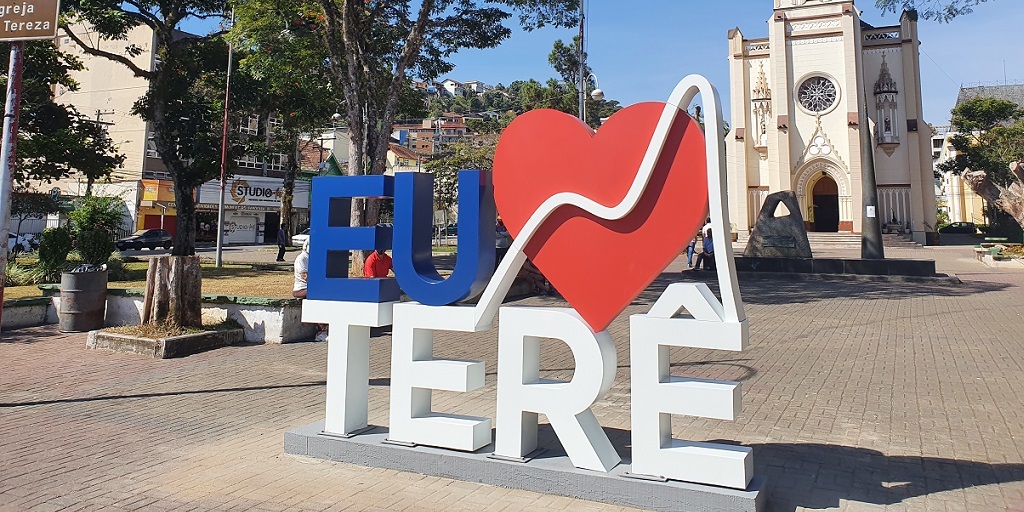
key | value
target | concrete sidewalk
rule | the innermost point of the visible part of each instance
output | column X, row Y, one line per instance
column 857, row 396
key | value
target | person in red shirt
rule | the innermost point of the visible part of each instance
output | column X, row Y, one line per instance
column 377, row 264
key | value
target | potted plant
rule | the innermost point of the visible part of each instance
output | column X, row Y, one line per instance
column 83, row 289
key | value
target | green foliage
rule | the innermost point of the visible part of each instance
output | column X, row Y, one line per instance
column 54, row 245
column 941, row 218
column 942, row 11
column 17, row 274
column 94, row 222
column 55, row 140
column 990, row 135
column 456, row 157
column 184, row 90
column 26, row 205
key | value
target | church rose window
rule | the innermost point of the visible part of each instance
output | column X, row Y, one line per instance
column 817, row 94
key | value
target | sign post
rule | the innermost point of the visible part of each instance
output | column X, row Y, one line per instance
column 19, row 22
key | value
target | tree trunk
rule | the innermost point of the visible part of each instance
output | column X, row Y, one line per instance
column 1008, row 199
column 185, row 234
column 290, row 170
column 173, row 292
column 355, row 168
column 173, row 283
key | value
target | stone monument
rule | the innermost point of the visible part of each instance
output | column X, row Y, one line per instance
column 783, row 236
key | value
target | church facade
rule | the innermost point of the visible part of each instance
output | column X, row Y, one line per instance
column 801, row 97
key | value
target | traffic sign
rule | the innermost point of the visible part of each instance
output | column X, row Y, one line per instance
column 25, row 20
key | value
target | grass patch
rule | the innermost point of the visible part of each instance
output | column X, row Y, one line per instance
column 1013, row 251
column 20, row 292
column 156, row 331
column 241, row 280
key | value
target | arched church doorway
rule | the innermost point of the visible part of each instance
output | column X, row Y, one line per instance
column 826, row 204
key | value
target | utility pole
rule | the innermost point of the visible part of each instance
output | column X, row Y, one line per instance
column 583, row 79
column 99, row 122
column 219, row 259
column 9, row 153
column 871, row 246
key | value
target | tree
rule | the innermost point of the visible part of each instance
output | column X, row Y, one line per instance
column 989, row 147
column 462, row 154
column 181, row 104
column 55, row 140
column 566, row 61
column 942, row 11
column 94, row 223
column 289, row 78
column 376, row 46
column 26, row 205
column 178, row 103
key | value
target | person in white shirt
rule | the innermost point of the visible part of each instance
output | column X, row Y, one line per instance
column 301, row 272
column 301, row 278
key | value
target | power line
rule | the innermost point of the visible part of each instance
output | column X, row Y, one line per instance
column 940, row 68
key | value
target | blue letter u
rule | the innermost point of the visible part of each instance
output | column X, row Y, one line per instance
column 411, row 248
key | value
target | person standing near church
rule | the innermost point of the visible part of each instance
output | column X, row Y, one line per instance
column 707, row 255
column 282, row 242
column 690, row 249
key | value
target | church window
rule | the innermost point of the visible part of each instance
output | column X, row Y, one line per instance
column 817, row 94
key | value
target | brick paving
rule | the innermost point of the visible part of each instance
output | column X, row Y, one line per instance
column 857, row 396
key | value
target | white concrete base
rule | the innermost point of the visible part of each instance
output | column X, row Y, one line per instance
column 28, row 313
column 261, row 324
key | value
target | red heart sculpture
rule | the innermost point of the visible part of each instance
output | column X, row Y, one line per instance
column 598, row 265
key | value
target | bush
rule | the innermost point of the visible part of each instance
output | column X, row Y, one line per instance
column 19, row 275
column 94, row 223
column 116, row 271
column 94, row 245
column 54, row 245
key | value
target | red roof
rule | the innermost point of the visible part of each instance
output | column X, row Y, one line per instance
column 402, row 152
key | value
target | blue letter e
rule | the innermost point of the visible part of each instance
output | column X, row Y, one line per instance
column 331, row 237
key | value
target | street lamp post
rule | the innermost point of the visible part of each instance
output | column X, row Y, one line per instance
column 335, row 119
column 583, row 66
column 597, row 94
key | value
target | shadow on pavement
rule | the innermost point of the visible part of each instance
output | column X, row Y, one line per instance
column 744, row 372
column 153, row 395
column 819, row 476
column 782, row 291
column 960, row 239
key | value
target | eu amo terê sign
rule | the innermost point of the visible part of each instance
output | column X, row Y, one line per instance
column 575, row 202
column 28, row 20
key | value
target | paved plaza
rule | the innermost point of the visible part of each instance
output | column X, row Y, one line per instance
column 857, row 396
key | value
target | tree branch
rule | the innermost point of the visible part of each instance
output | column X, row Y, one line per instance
column 143, row 15
column 139, row 72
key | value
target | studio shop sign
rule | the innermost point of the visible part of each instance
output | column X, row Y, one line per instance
column 575, row 202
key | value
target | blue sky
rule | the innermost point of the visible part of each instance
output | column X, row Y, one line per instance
column 640, row 49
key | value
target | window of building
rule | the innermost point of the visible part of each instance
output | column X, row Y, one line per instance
column 817, row 94
column 151, row 151
column 275, row 123
column 250, row 126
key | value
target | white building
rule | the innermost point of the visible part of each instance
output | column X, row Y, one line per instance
column 800, row 98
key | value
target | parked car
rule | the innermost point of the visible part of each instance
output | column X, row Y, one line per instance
column 300, row 238
column 151, row 238
column 18, row 244
column 959, row 227
column 451, row 230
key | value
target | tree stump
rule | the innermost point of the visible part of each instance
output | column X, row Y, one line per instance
column 173, row 290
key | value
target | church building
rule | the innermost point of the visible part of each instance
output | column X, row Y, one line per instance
column 800, row 98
